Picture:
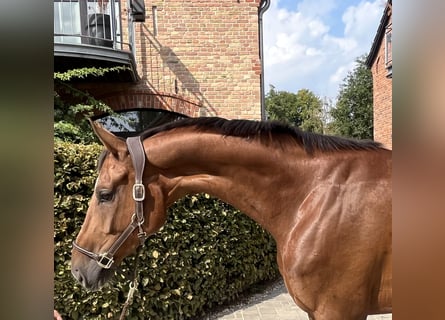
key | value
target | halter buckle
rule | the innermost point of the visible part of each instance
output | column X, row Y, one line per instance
column 138, row 192
column 105, row 261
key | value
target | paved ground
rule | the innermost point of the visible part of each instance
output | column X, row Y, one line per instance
column 274, row 303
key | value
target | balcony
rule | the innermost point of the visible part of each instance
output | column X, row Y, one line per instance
column 96, row 33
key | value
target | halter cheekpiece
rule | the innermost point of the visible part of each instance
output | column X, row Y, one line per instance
column 106, row 259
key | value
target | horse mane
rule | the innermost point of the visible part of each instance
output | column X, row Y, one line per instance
column 268, row 132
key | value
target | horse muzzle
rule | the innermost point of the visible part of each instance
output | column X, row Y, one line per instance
column 89, row 274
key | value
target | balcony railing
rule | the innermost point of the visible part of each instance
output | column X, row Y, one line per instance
column 94, row 22
column 86, row 30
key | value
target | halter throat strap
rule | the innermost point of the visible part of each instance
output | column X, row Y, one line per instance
column 106, row 259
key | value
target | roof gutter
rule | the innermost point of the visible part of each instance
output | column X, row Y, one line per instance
column 264, row 5
column 379, row 35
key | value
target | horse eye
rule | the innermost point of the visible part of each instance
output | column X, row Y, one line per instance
column 105, row 196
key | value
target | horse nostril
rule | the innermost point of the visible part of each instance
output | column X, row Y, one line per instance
column 77, row 275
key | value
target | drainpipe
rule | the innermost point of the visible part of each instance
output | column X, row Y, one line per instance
column 264, row 5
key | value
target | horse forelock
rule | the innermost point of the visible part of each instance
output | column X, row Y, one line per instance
column 268, row 132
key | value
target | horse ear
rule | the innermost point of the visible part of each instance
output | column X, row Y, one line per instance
column 115, row 145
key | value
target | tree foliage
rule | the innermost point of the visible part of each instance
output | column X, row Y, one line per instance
column 352, row 115
column 303, row 109
column 73, row 107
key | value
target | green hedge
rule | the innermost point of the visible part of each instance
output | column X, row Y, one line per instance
column 206, row 254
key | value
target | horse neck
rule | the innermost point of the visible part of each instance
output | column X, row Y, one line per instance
column 241, row 172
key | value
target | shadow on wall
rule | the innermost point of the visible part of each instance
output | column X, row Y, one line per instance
column 154, row 57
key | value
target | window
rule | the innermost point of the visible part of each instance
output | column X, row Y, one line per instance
column 67, row 21
column 132, row 122
column 388, row 50
column 84, row 21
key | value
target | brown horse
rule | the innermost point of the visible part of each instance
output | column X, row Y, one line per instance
column 325, row 200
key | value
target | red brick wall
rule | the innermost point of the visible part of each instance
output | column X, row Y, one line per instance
column 382, row 95
column 203, row 61
column 205, row 51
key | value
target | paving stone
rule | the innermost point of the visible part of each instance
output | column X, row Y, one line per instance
column 276, row 305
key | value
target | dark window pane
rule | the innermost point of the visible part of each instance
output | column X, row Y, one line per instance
column 132, row 122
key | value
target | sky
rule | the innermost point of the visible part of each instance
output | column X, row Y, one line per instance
column 313, row 44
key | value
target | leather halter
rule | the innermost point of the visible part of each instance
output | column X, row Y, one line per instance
column 106, row 259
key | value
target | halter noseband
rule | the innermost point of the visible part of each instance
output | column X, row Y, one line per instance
column 106, row 259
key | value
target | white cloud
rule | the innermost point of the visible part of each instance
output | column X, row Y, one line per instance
column 360, row 20
column 316, row 8
column 317, row 28
column 313, row 52
column 341, row 72
column 288, row 38
column 300, row 50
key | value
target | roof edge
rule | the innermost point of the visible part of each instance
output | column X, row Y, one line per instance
column 379, row 34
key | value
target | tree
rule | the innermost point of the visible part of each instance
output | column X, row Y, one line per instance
column 326, row 117
column 303, row 109
column 352, row 115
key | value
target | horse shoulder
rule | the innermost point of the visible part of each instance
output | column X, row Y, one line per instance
column 335, row 236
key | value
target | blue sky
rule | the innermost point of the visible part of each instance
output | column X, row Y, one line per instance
column 313, row 44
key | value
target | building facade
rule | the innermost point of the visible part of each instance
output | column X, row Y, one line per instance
column 198, row 58
column 380, row 62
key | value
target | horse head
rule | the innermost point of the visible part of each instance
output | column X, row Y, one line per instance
column 121, row 214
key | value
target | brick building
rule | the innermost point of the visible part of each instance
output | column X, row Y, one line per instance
column 197, row 57
column 380, row 62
